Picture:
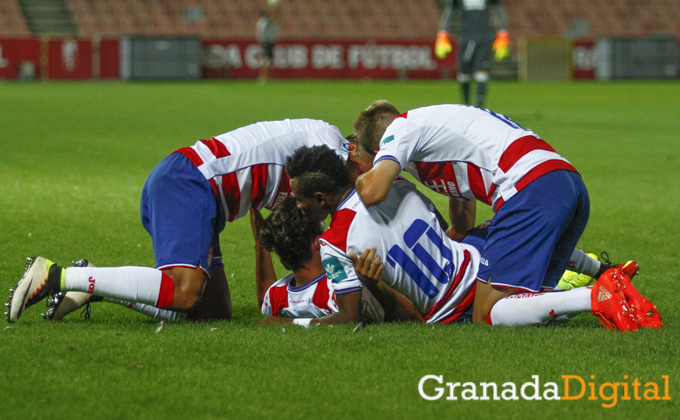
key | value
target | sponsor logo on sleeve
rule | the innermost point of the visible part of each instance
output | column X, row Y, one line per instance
column 386, row 140
column 334, row 269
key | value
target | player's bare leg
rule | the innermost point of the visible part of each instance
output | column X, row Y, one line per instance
column 486, row 297
column 189, row 285
column 215, row 304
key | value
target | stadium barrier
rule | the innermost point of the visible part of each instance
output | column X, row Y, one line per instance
column 101, row 58
column 545, row 58
column 154, row 57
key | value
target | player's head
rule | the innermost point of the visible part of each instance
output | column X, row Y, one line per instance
column 318, row 178
column 290, row 234
column 371, row 124
column 359, row 161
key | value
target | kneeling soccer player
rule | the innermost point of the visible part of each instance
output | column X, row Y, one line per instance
column 186, row 202
column 437, row 274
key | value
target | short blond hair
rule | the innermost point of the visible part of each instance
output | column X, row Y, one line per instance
column 371, row 124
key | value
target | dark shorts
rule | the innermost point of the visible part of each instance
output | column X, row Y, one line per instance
column 533, row 234
column 180, row 213
column 474, row 55
column 268, row 48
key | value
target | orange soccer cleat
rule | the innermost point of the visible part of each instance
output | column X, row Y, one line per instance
column 609, row 303
column 644, row 312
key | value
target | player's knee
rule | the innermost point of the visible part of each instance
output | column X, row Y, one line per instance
column 464, row 77
column 481, row 76
column 185, row 300
column 486, row 297
column 189, row 285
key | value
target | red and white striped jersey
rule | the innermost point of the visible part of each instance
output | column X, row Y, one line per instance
column 468, row 153
column 311, row 300
column 419, row 260
column 246, row 166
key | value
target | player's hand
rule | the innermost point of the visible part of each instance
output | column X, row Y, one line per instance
column 501, row 45
column 274, row 320
column 442, row 45
column 368, row 266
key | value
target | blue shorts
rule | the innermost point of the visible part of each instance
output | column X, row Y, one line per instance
column 180, row 212
column 533, row 234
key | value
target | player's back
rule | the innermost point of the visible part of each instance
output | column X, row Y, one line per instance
column 269, row 142
column 468, row 153
column 419, row 260
column 246, row 166
column 458, row 132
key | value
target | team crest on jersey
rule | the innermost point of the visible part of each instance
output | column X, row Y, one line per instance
column 386, row 140
column 334, row 269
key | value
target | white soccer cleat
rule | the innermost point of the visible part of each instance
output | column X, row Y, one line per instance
column 35, row 285
column 61, row 304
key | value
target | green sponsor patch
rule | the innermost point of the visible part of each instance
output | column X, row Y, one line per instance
column 386, row 140
column 334, row 270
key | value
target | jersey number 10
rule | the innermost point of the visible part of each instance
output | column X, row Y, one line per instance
column 397, row 255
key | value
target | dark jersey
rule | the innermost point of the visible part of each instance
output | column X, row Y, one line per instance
column 475, row 18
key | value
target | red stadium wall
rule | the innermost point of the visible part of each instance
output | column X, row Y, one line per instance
column 15, row 51
column 109, row 59
column 100, row 58
column 327, row 59
column 69, row 59
column 584, row 59
column 86, row 59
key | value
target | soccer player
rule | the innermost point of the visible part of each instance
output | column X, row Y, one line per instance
column 267, row 35
column 436, row 273
column 306, row 294
column 186, row 202
column 475, row 40
column 470, row 154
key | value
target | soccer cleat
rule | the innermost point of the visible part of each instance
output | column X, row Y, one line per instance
column 609, row 303
column 41, row 279
column 61, row 304
column 629, row 268
column 644, row 312
column 571, row 279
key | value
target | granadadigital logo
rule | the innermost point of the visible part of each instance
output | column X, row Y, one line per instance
column 90, row 288
column 575, row 388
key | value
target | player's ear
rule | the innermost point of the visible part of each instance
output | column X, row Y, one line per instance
column 320, row 197
column 316, row 246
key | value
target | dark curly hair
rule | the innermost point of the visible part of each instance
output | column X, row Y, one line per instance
column 318, row 169
column 289, row 233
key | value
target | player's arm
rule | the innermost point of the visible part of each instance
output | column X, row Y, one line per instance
column 462, row 215
column 374, row 186
column 396, row 305
column 265, row 275
column 442, row 46
column 349, row 310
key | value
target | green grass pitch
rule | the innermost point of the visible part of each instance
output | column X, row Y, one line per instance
column 74, row 158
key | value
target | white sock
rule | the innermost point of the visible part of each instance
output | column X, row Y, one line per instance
column 135, row 284
column 583, row 263
column 147, row 310
column 539, row 308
